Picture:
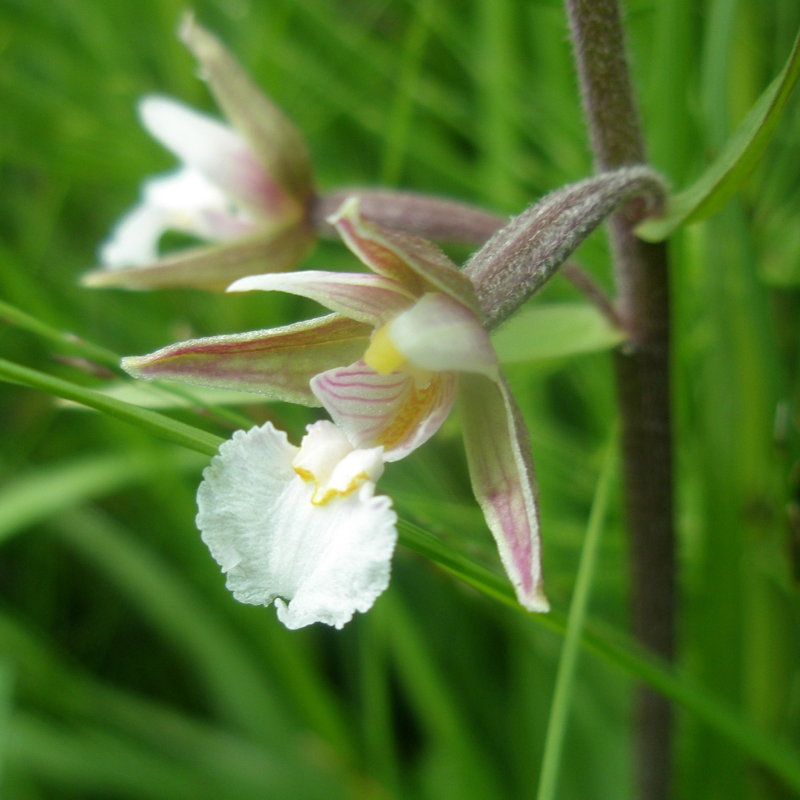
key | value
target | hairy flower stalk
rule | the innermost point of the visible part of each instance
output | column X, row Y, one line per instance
column 247, row 190
column 643, row 376
column 522, row 256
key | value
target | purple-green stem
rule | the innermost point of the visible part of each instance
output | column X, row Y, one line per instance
column 423, row 215
column 642, row 370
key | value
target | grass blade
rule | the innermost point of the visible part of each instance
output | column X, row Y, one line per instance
column 169, row 429
column 725, row 176
column 559, row 710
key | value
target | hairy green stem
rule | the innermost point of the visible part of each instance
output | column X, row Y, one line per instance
column 642, row 369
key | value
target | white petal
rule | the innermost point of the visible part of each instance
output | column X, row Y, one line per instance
column 319, row 563
column 214, row 149
column 196, row 206
column 183, row 188
column 182, row 201
column 358, row 295
column 437, row 333
column 134, row 239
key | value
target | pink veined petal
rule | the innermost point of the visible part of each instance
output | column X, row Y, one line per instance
column 416, row 263
column 397, row 411
column 318, row 563
column 438, row 334
column 215, row 150
column 498, row 452
column 367, row 298
column 278, row 362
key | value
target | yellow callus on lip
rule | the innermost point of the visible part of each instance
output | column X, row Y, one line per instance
column 322, row 493
column 382, row 354
column 328, row 461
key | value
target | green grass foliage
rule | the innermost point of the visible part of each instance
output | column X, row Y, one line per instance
column 126, row 669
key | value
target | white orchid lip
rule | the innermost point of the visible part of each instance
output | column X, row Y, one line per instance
column 317, row 561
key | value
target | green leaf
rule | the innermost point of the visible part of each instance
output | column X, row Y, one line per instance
column 12, row 315
column 169, row 429
column 554, row 331
column 162, row 395
column 725, row 176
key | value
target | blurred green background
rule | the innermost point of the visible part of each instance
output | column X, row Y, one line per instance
column 127, row 670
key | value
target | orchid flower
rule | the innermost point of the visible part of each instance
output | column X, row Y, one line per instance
column 244, row 187
column 387, row 365
column 309, row 533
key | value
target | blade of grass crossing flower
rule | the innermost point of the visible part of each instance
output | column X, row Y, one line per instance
column 724, row 176
column 15, row 316
column 170, row 429
column 565, row 678
column 150, row 392
column 484, row 580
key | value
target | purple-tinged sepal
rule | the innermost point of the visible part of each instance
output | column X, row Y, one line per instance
column 279, row 362
column 359, row 295
column 273, row 138
column 416, row 263
column 210, row 267
column 501, row 471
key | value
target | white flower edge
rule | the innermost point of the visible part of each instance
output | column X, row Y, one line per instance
column 184, row 201
column 318, row 561
column 213, row 149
